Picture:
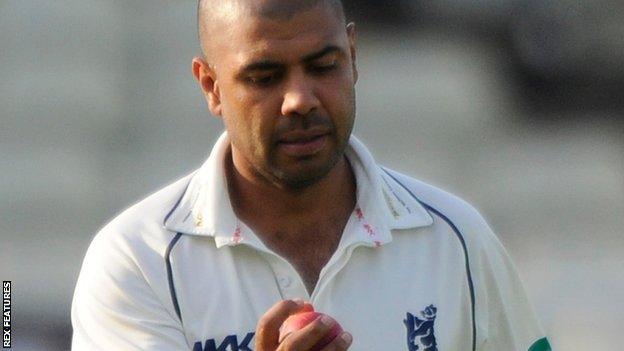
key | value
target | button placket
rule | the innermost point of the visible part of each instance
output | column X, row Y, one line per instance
column 348, row 242
column 284, row 282
column 288, row 281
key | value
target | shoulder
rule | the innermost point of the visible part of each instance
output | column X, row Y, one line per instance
column 137, row 235
column 125, row 260
column 152, row 211
column 146, row 217
column 445, row 208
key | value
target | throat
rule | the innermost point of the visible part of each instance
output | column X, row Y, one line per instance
column 307, row 250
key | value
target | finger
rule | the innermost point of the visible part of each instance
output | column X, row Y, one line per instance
column 307, row 307
column 267, row 330
column 340, row 343
column 308, row 336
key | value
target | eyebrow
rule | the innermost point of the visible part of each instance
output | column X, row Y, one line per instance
column 268, row 65
column 329, row 49
column 262, row 65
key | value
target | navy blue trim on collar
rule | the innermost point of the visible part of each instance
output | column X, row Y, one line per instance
column 177, row 203
column 172, row 291
column 466, row 258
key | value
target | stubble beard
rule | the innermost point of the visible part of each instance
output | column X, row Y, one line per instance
column 304, row 178
column 300, row 180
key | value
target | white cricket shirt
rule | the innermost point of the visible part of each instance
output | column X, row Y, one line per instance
column 416, row 269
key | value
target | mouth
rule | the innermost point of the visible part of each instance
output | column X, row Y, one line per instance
column 303, row 143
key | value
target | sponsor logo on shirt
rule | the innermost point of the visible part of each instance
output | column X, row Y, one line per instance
column 420, row 333
column 230, row 343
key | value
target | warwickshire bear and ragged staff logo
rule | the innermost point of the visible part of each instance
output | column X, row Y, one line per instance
column 420, row 334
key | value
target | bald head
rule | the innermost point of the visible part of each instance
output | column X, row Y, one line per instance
column 214, row 16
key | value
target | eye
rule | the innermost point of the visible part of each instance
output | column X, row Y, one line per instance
column 321, row 68
column 263, row 80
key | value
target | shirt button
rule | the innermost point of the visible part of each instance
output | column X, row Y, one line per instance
column 284, row 282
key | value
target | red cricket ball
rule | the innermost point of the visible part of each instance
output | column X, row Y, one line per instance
column 300, row 320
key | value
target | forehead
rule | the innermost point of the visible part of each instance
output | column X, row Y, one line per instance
column 254, row 36
column 281, row 9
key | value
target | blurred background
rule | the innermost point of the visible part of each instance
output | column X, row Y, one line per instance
column 515, row 105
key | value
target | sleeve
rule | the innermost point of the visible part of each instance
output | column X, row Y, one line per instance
column 114, row 307
column 503, row 309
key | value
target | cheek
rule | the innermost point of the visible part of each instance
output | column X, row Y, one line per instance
column 339, row 102
column 240, row 110
column 252, row 128
column 261, row 111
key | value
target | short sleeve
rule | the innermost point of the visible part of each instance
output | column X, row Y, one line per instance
column 503, row 309
column 114, row 307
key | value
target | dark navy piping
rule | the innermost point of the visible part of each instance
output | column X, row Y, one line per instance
column 172, row 291
column 176, row 204
column 463, row 243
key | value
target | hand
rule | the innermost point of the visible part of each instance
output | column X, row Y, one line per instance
column 267, row 331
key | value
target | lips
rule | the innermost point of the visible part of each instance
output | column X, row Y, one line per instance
column 301, row 136
column 304, row 142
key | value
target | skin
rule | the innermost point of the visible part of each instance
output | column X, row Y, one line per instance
column 283, row 83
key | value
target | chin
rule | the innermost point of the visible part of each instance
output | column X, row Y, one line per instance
column 300, row 180
column 305, row 175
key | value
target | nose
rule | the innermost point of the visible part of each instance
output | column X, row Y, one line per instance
column 299, row 96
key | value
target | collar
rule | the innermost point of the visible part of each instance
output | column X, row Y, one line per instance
column 382, row 204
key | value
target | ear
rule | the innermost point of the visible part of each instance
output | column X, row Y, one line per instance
column 207, row 79
column 352, row 34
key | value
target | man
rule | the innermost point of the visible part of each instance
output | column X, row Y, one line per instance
column 289, row 207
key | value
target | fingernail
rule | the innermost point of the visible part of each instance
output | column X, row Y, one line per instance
column 299, row 302
column 346, row 337
column 327, row 320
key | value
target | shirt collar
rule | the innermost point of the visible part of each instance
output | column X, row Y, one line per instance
column 382, row 205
